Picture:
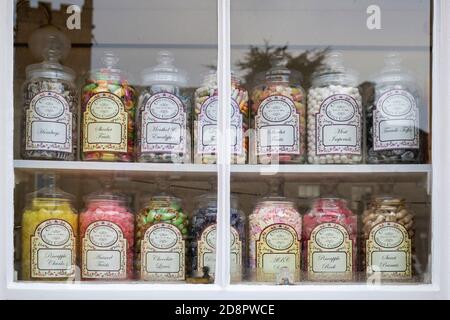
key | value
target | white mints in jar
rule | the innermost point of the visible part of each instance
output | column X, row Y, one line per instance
column 334, row 117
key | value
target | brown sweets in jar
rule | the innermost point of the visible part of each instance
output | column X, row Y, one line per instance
column 388, row 230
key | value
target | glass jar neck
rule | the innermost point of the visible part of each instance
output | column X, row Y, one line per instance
column 330, row 204
column 389, row 203
column 275, row 204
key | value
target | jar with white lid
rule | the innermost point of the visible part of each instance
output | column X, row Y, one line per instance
column 163, row 117
column 50, row 105
column 108, row 103
column 393, row 127
column 335, row 111
column 278, row 116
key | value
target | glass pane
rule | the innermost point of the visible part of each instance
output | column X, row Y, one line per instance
column 99, row 85
column 336, row 185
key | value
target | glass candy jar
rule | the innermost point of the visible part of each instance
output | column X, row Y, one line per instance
column 107, row 237
column 50, row 111
column 275, row 229
column 388, row 231
column 205, row 121
column 203, row 237
column 49, row 236
column 330, row 241
column 161, row 239
column 335, row 115
column 393, row 132
column 278, row 116
column 163, row 118
column 108, row 110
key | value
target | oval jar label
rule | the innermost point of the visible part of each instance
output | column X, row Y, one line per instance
column 340, row 109
column 104, row 108
column 389, row 237
column 103, row 236
column 279, row 239
column 329, row 238
column 55, row 234
column 396, row 103
column 276, row 109
column 166, row 107
column 48, row 106
column 163, row 238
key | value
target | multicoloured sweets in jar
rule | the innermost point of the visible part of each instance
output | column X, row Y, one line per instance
column 393, row 127
column 330, row 241
column 49, row 236
column 278, row 116
column 163, row 118
column 388, row 231
column 275, row 229
column 108, row 108
column 50, row 101
column 161, row 239
column 335, row 115
column 107, row 237
column 205, row 121
column 203, row 237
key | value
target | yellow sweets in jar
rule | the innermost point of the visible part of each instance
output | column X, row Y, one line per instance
column 49, row 231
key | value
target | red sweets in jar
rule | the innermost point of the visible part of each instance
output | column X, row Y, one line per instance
column 329, row 240
column 107, row 238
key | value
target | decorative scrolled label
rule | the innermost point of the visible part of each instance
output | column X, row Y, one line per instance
column 330, row 253
column 49, row 123
column 277, row 126
column 104, row 253
column 164, row 122
column 278, row 247
column 388, row 251
column 339, row 126
column 163, row 253
column 206, row 252
column 396, row 121
column 105, row 124
column 207, row 127
column 53, row 250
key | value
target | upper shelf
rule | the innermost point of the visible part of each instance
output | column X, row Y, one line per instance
column 380, row 172
column 348, row 173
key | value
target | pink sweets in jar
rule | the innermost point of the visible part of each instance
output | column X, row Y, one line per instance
column 107, row 237
column 329, row 240
column 275, row 228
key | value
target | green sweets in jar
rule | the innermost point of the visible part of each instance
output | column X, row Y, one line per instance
column 161, row 234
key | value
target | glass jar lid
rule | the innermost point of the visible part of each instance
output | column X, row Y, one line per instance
column 333, row 72
column 50, row 192
column 164, row 72
column 109, row 70
column 161, row 199
column 280, row 73
column 107, row 194
column 388, row 201
column 393, row 71
column 51, row 45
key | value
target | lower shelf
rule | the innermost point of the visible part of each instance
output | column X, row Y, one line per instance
column 138, row 291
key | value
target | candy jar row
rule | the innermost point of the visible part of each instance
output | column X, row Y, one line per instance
column 333, row 131
column 118, row 124
column 323, row 245
column 109, row 242
column 158, row 124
